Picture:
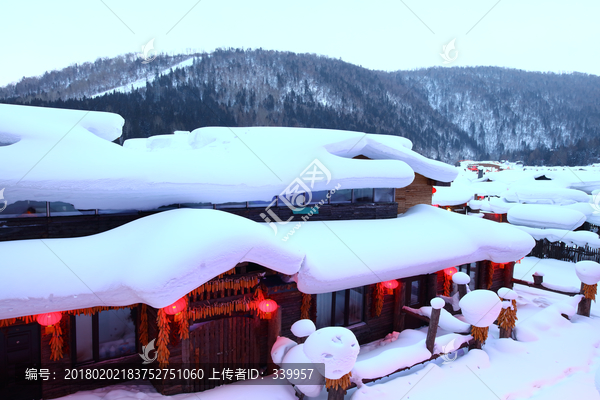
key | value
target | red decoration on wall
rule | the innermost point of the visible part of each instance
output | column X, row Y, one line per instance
column 433, row 190
column 390, row 285
column 267, row 306
column 450, row 271
column 176, row 307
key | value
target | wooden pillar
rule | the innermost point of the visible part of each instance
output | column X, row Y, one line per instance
column 509, row 270
column 475, row 344
column 274, row 330
column 505, row 333
column 432, row 330
column 538, row 279
column 186, row 360
column 585, row 305
column 432, row 283
column 336, row 394
column 462, row 291
column 399, row 297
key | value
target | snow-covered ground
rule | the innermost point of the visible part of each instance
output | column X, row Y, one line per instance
column 554, row 359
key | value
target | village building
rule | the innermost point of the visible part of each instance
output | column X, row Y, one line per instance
column 186, row 240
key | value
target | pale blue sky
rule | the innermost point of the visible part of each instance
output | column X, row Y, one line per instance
column 533, row 35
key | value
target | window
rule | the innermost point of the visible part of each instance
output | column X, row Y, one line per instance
column 363, row 195
column 384, row 195
column 416, row 288
column 104, row 335
column 342, row 308
column 316, row 197
column 414, row 292
column 342, row 196
column 237, row 204
column 469, row 269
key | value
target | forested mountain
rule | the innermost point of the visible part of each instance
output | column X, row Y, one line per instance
column 448, row 113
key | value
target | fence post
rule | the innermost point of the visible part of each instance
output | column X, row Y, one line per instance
column 538, row 278
column 436, row 308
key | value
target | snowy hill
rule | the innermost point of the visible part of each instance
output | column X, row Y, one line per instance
column 448, row 113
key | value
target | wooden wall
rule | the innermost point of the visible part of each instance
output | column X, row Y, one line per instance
column 84, row 225
column 418, row 192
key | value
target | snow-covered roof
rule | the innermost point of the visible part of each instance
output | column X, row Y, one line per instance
column 545, row 216
column 153, row 260
column 158, row 259
column 452, row 195
column 67, row 155
column 345, row 254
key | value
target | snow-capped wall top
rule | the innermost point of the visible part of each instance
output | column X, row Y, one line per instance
column 57, row 155
column 157, row 259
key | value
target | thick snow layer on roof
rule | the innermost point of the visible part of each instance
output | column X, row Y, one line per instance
column 576, row 238
column 64, row 155
column 157, row 259
column 345, row 254
column 544, row 192
column 153, row 260
column 545, row 216
column 492, row 204
column 452, row 196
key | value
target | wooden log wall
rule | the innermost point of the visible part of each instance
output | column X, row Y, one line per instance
column 418, row 192
column 84, row 225
column 59, row 387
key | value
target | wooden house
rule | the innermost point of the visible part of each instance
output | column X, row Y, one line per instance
column 190, row 288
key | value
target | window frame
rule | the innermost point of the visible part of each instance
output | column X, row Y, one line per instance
column 347, row 307
column 96, row 339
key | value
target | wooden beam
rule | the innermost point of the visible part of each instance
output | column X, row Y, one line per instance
column 406, row 310
column 533, row 285
column 433, row 357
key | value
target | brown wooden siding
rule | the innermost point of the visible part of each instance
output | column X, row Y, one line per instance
column 418, row 192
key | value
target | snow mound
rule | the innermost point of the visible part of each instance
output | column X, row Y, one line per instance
column 545, row 216
column 550, row 318
column 281, row 346
column 452, row 195
column 297, row 355
column 480, row 307
column 507, row 293
column 460, row 278
column 303, row 328
column 334, row 346
column 448, row 322
column 437, row 303
column 588, row 272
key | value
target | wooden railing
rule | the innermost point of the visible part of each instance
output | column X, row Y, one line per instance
column 560, row 251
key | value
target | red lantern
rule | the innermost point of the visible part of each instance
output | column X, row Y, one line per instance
column 433, row 190
column 176, row 307
column 267, row 306
column 390, row 285
column 450, row 271
column 48, row 320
